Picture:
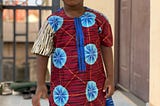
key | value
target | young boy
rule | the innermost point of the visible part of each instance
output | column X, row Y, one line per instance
column 79, row 40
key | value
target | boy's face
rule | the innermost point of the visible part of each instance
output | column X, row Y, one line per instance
column 73, row 2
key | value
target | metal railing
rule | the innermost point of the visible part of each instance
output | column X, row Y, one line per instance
column 21, row 6
column 1, row 40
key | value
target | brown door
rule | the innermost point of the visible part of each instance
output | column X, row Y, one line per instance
column 134, row 32
column 124, row 51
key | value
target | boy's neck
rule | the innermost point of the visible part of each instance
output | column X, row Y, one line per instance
column 74, row 11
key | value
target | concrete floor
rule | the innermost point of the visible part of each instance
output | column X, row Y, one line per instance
column 17, row 100
column 122, row 100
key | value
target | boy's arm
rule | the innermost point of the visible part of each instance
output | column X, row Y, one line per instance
column 107, row 55
column 41, row 70
column 43, row 47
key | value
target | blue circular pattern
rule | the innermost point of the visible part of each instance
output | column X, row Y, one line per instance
column 91, row 54
column 60, row 95
column 88, row 19
column 59, row 58
column 91, row 91
column 55, row 22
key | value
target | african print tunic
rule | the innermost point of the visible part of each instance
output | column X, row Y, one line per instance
column 77, row 76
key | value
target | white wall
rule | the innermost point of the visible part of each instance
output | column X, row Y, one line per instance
column 155, row 54
column 104, row 6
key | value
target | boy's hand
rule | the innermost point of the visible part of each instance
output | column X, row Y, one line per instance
column 108, row 88
column 41, row 91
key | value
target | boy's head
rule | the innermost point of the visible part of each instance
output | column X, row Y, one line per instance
column 73, row 2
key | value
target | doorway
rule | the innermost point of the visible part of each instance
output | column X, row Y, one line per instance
column 132, row 46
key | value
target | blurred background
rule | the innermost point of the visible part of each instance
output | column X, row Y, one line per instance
column 21, row 22
column 135, row 26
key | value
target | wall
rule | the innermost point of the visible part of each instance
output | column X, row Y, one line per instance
column 155, row 54
column 104, row 6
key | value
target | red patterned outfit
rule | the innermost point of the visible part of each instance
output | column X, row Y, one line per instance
column 77, row 76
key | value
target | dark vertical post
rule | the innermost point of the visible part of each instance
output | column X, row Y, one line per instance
column 14, row 44
column 26, row 47
column 1, row 40
column 55, row 5
column 116, row 43
column 40, row 18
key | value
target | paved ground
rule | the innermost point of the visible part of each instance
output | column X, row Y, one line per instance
column 122, row 100
column 17, row 100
